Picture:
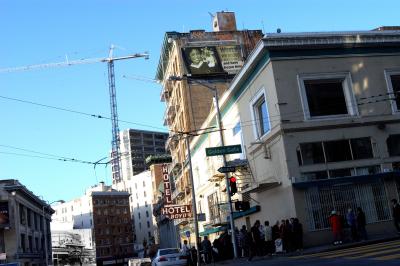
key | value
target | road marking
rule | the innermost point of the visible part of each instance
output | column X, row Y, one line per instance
column 360, row 250
column 388, row 257
column 349, row 250
column 370, row 254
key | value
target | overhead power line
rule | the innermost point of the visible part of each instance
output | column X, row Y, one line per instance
column 77, row 112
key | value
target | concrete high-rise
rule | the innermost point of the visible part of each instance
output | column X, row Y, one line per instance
column 135, row 146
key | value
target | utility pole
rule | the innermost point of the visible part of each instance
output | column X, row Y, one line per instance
column 219, row 122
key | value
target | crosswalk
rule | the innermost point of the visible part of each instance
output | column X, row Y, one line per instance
column 379, row 252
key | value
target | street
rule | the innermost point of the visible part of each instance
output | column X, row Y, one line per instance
column 386, row 253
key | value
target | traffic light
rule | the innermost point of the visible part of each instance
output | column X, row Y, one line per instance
column 233, row 187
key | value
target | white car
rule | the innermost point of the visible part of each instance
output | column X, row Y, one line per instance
column 169, row 256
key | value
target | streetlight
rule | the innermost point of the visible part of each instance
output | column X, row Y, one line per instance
column 46, row 236
column 215, row 91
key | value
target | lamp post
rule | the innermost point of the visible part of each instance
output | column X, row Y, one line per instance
column 44, row 232
column 221, row 136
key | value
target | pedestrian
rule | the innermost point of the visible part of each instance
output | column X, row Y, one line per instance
column 262, row 241
column 242, row 242
column 206, row 249
column 185, row 250
column 216, row 249
column 193, row 256
column 237, row 238
column 335, row 221
column 255, row 240
column 276, row 235
column 361, row 223
column 268, row 238
column 396, row 214
column 352, row 223
column 298, row 234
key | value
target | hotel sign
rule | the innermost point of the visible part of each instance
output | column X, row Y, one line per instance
column 177, row 211
column 169, row 210
column 167, row 185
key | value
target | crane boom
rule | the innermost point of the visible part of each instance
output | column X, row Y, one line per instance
column 115, row 154
column 71, row 63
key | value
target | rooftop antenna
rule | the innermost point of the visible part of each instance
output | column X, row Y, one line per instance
column 262, row 25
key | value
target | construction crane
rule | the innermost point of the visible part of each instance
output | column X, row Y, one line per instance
column 115, row 152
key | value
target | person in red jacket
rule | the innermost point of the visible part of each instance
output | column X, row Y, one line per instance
column 335, row 221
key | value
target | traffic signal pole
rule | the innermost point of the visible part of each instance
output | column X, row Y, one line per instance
column 227, row 181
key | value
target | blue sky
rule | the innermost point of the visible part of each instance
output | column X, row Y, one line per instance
column 38, row 32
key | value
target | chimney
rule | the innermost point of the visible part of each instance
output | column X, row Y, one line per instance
column 224, row 21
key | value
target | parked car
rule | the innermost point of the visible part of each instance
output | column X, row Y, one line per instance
column 169, row 256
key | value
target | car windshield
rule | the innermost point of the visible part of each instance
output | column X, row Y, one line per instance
column 169, row 251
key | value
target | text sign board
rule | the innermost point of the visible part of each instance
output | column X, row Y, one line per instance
column 177, row 211
column 214, row 151
column 227, row 169
column 167, row 185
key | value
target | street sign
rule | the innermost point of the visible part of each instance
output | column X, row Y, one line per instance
column 227, row 169
column 214, row 151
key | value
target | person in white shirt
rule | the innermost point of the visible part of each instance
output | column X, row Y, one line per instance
column 268, row 238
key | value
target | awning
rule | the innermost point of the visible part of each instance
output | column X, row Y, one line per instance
column 209, row 231
column 347, row 180
column 262, row 187
column 252, row 210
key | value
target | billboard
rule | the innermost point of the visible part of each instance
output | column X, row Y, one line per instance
column 213, row 60
column 4, row 214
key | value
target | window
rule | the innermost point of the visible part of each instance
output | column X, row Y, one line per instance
column 147, row 213
column 236, row 129
column 145, row 202
column 393, row 83
column 336, row 151
column 23, row 247
column 144, row 193
column 393, row 144
column 144, row 184
column 312, row 153
column 260, row 115
column 148, row 224
column 325, row 95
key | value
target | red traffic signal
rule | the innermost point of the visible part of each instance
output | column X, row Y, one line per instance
column 232, row 183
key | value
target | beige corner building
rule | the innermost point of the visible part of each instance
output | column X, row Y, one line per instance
column 325, row 129
column 206, row 57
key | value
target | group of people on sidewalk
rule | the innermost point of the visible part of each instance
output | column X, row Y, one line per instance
column 351, row 225
column 261, row 240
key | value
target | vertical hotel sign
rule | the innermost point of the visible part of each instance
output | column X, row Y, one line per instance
column 167, row 185
column 169, row 210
